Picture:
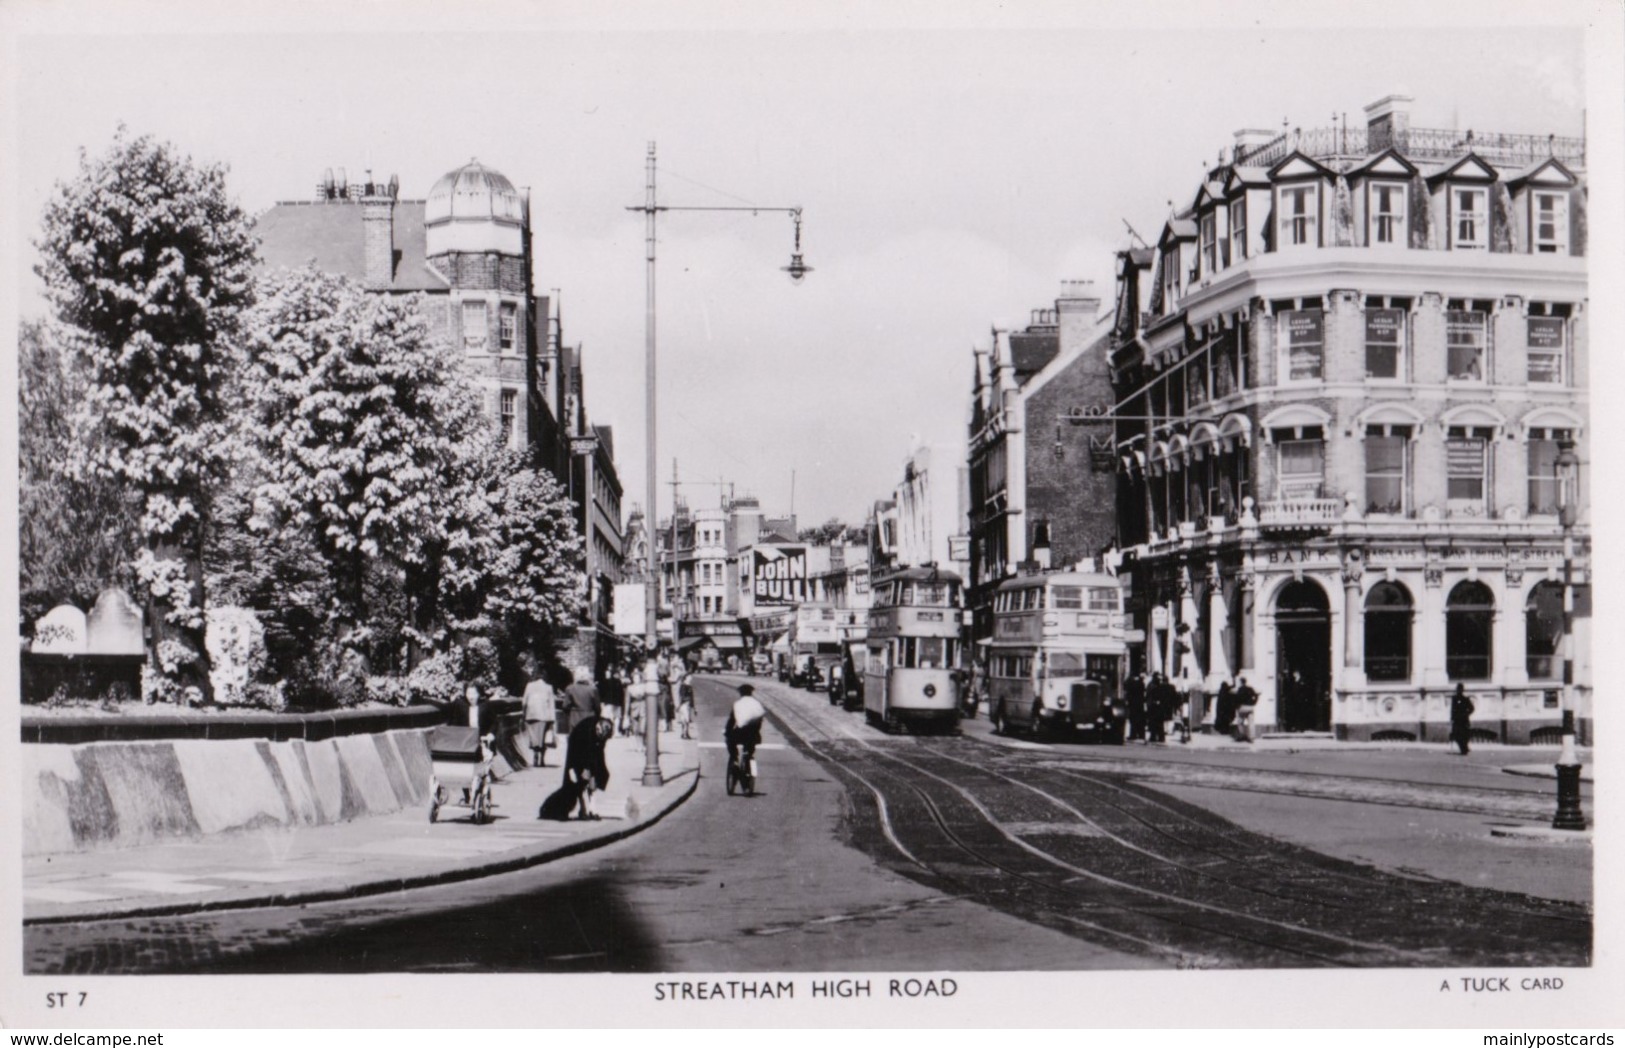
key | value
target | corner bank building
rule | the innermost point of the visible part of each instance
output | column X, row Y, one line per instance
column 1349, row 378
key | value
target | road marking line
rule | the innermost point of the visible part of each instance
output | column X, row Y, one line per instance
column 62, row 895
column 261, row 876
column 163, row 884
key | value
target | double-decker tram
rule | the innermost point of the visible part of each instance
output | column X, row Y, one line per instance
column 911, row 678
column 1055, row 661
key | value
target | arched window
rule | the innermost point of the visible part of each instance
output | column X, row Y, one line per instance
column 1301, row 598
column 1469, row 626
column 1388, row 612
column 1543, row 631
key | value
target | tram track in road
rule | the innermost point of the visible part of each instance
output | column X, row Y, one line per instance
column 1510, row 802
column 1195, row 830
column 1310, row 875
column 1136, row 862
column 962, row 886
column 1157, row 921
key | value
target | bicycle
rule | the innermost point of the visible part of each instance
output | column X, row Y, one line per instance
column 742, row 772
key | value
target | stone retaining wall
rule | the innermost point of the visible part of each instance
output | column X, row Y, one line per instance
column 78, row 796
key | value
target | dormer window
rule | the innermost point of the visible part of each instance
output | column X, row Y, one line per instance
column 1470, row 218
column 1387, row 218
column 1210, row 243
column 1170, row 277
column 1299, row 211
column 1238, row 230
column 1551, row 223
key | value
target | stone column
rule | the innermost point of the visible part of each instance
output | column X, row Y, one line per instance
column 1218, row 658
column 1353, row 621
column 1430, row 649
column 1249, row 591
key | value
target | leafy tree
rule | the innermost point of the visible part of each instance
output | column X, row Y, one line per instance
column 77, row 531
column 349, row 390
column 146, row 258
column 538, row 564
column 825, row 533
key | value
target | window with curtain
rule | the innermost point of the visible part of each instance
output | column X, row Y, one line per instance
column 1545, row 490
column 1300, row 466
column 1302, row 337
column 1386, row 458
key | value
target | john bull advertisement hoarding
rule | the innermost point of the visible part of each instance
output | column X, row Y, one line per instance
column 779, row 575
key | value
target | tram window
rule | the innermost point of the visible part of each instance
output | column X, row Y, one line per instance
column 1065, row 664
column 1069, row 597
column 1102, row 598
column 930, row 653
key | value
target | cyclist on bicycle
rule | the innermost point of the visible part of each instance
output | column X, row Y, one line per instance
column 744, row 727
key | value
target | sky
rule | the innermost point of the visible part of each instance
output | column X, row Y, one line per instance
column 953, row 169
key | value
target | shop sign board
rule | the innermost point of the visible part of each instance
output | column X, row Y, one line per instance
column 779, row 575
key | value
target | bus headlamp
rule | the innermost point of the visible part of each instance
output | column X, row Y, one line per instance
column 930, row 691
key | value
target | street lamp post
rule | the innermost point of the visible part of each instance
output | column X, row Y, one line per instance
column 1569, row 815
column 797, row 270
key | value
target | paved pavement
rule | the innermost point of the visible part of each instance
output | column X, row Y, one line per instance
column 278, row 867
column 1537, row 761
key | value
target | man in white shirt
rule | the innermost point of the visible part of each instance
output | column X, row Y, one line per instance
column 744, row 728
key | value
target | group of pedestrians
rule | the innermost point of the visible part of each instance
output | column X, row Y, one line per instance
column 1154, row 704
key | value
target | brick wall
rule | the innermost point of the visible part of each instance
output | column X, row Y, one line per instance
column 1078, row 502
column 378, row 242
column 483, row 271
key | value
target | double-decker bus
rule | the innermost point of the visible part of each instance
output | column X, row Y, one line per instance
column 815, row 644
column 911, row 675
column 1056, row 656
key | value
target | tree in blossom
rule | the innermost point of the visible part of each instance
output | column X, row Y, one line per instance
column 148, row 261
column 506, row 559
column 77, row 531
column 535, row 576
column 350, row 393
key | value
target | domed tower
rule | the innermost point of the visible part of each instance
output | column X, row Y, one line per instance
column 476, row 231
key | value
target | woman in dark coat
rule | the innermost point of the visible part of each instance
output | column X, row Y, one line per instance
column 1461, row 712
column 585, row 769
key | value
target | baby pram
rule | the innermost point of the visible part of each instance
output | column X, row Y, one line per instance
column 461, row 772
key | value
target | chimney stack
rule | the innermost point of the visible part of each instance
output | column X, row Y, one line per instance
column 1247, row 140
column 1388, row 123
column 378, row 233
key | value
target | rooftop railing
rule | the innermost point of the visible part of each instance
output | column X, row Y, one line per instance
column 1419, row 143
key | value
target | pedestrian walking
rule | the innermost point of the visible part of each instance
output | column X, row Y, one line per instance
column 685, row 703
column 1134, row 698
column 1159, row 707
column 581, row 697
column 670, row 670
column 612, row 700
column 541, row 713
column 1461, row 713
column 1224, row 709
column 1246, row 700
